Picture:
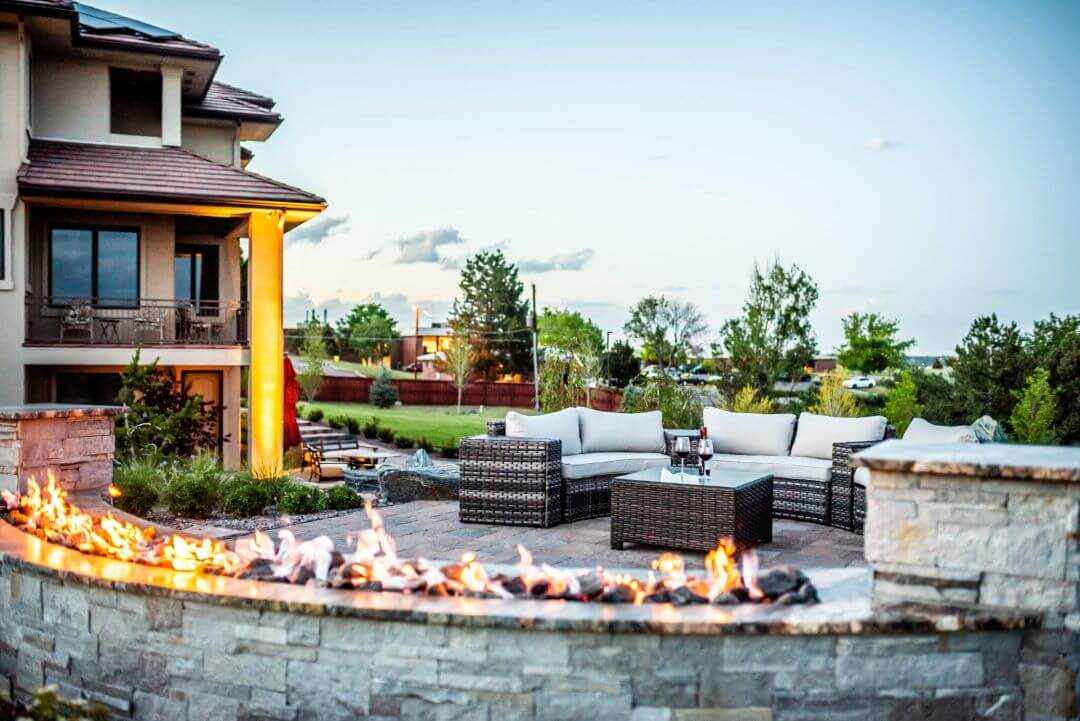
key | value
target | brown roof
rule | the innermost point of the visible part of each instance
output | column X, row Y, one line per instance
column 228, row 101
column 155, row 174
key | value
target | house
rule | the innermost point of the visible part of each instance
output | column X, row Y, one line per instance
column 424, row 340
column 125, row 207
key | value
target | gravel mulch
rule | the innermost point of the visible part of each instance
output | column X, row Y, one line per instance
column 272, row 519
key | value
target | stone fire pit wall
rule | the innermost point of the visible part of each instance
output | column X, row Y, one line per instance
column 988, row 525
column 74, row 443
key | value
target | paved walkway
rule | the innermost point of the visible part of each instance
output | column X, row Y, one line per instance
column 431, row 529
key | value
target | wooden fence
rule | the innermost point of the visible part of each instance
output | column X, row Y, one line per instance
column 340, row 389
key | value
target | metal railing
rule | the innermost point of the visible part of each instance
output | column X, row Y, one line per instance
column 146, row 321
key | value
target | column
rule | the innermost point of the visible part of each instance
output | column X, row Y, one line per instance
column 267, row 375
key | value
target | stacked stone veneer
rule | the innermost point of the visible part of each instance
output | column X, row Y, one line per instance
column 74, row 443
column 151, row 657
column 990, row 526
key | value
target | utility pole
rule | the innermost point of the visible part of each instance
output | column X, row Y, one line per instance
column 536, row 364
column 416, row 346
column 607, row 357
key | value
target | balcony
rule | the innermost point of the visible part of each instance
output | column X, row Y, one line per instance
column 146, row 322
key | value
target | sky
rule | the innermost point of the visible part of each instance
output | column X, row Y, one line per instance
column 918, row 159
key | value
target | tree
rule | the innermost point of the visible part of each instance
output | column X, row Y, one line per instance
column 773, row 337
column 160, row 415
column 686, row 323
column 678, row 404
column 383, row 394
column 560, row 381
column 460, row 360
column 902, row 405
column 368, row 330
column 871, row 344
column 491, row 310
column 622, row 364
column 1032, row 418
column 649, row 321
column 833, row 399
column 313, row 355
column 937, row 396
column 588, row 361
column 1055, row 345
column 991, row 362
column 567, row 330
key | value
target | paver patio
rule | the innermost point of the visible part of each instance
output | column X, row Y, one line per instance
column 432, row 529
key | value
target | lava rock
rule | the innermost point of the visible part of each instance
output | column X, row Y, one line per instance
column 515, row 586
column 786, row 599
column 336, row 559
column 780, row 580
column 259, row 569
column 370, row 586
column 683, row 596
column 725, row 599
column 591, row 585
column 301, row 575
column 619, row 594
column 807, row 593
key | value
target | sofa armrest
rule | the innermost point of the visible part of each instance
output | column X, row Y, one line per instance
column 841, row 458
column 669, row 444
column 496, row 428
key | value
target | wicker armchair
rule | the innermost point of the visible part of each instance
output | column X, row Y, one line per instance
column 848, row 502
column 77, row 318
column 518, row 481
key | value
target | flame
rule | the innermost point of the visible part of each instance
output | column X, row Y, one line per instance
column 114, row 492
column 374, row 563
column 45, row 513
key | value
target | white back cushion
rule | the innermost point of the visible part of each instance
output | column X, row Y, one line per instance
column 634, row 432
column 922, row 431
column 752, row 434
column 561, row 425
column 816, row 434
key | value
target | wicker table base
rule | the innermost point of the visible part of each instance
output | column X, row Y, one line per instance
column 650, row 508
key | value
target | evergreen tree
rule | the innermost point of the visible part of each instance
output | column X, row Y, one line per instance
column 1033, row 416
column 493, row 312
column 991, row 362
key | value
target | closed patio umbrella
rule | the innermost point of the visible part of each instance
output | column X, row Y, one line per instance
column 292, row 396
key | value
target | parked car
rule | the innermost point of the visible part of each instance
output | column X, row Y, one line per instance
column 859, row 382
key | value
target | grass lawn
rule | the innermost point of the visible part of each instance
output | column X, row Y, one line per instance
column 439, row 424
column 368, row 371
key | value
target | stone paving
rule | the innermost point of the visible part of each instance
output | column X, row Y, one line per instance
column 432, row 529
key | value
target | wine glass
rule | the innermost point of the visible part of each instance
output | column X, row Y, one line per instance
column 705, row 452
column 682, row 450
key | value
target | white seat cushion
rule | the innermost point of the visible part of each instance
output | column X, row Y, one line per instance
column 862, row 476
column 603, row 432
column 794, row 467
column 921, row 431
column 762, row 434
column 816, row 434
column 561, row 425
column 586, row 465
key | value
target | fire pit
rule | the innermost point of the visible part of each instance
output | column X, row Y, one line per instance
column 731, row 577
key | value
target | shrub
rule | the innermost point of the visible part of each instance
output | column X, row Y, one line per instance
column 678, row 404
column 342, row 498
column 138, row 481
column 560, row 382
column 386, row 435
column 903, row 404
column 244, row 496
column 353, row 425
column 315, row 415
column 833, row 399
column 450, row 450
column 298, row 498
column 194, row 487
column 747, row 401
column 1036, row 405
column 383, row 392
column 403, row 442
column 371, row 428
column 424, row 443
column 291, row 459
column 336, row 421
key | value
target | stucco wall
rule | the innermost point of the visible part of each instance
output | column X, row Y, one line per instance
column 214, row 141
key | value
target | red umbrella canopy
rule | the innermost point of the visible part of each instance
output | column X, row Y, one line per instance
column 292, row 397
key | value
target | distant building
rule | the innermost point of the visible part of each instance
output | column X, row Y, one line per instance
column 824, row 364
column 434, row 338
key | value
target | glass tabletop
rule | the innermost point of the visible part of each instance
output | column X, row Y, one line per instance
column 716, row 479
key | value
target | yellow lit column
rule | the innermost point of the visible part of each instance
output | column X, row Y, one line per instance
column 266, row 395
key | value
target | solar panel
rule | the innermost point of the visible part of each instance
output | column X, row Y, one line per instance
column 105, row 21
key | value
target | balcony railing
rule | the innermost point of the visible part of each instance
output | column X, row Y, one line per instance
column 146, row 322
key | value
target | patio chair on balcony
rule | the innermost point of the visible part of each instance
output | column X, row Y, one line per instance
column 149, row 320
column 77, row 318
column 191, row 327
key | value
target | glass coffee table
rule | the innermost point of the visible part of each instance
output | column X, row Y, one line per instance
column 660, row 507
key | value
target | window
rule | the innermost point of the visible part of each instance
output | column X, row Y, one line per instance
column 195, row 276
column 134, row 102
column 99, row 265
column 99, row 389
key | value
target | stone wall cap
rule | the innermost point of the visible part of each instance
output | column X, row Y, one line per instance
column 989, row 460
column 33, row 411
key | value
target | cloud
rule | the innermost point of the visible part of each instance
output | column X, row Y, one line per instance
column 424, row 247
column 317, row 231
column 674, row 289
column 569, row 261
column 878, row 144
column 400, row 307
